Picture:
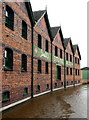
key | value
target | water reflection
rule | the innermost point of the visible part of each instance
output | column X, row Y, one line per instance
column 69, row 103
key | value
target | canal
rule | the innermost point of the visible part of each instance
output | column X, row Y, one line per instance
column 69, row 103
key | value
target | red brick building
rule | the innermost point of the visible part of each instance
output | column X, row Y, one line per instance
column 16, row 50
column 42, row 52
column 77, row 58
column 35, row 58
column 57, row 57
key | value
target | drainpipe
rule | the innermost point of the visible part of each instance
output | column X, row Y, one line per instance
column 51, row 69
column 64, row 70
column 32, row 65
column 73, row 72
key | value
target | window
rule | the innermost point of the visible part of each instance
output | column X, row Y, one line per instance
column 38, row 88
column 55, row 85
column 47, row 86
column 61, row 83
column 59, row 72
column 60, row 53
column 70, row 71
column 67, row 71
column 25, row 91
column 5, row 96
column 24, row 29
column 75, row 60
column 46, row 65
column 9, row 22
column 78, row 72
column 8, row 59
column 24, row 63
column 78, row 61
column 39, row 40
column 70, row 58
column 66, row 56
column 56, row 51
column 46, row 45
column 39, row 66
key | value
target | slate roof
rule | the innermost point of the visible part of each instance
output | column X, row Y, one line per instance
column 37, row 14
column 85, row 68
column 74, row 49
column 66, row 40
column 54, row 30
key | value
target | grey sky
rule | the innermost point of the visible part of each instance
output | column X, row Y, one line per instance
column 72, row 16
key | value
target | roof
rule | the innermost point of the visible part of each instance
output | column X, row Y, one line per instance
column 65, row 41
column 85, row 68
column 38, row 14
column 74, row 49
column 30, row 13
column 54, row 30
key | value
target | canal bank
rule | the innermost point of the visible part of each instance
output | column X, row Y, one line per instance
column 64, row 103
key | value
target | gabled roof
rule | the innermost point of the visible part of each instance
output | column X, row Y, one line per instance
column 38, row 15
column 85, row 68
column 30, row 13
column 74, row 49
column 66, row 41
column 55, row 30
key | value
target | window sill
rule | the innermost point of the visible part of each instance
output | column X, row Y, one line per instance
column 9, row 27
column 7, row 69
column 6, row 100
column 25, row 94
column 23, row 70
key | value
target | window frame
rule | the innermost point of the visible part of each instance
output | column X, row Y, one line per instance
column 8, row 59
column 39, row 41
column 60, row 53
column 25, row 91
column 46, row 67
column 23, row 63
column 24, row 29
column 9, row 20
column 56, row 51
column 46, row 46
column 39, row 66
column 6, row 99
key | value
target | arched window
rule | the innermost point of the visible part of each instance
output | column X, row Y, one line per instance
column 24, row 62
column 5, row 96
column 8, row 56
column 38, row 88
column 9, row 18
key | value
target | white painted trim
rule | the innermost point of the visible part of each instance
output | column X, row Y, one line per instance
column 41, row 93
column 58, row 88
column 13, row 104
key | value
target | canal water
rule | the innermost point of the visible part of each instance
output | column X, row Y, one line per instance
column 69, row 103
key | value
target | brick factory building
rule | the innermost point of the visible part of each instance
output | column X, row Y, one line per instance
column 35, row 57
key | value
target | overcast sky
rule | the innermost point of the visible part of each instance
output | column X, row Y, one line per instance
column 72, row 16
